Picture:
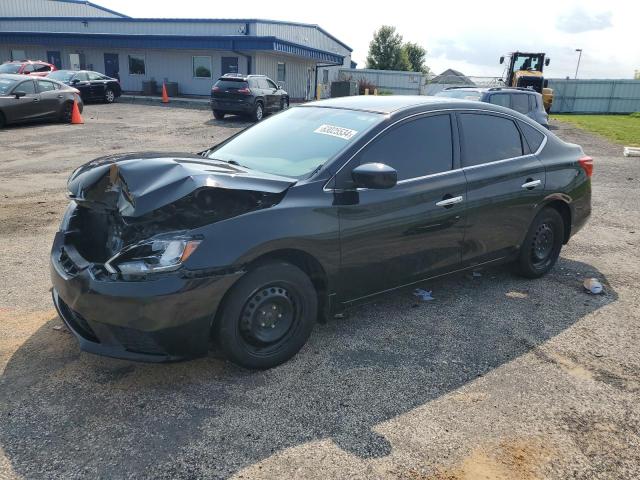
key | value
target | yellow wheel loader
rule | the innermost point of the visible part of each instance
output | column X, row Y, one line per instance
column 525, row 70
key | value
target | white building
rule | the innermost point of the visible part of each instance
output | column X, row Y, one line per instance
column 77, row 34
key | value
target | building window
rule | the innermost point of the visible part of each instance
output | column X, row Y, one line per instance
column 201, row 67
column 18, row 55
column 281, row 72
column 137, row 65
column 325, row 76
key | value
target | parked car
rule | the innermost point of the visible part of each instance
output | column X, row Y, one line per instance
column 26, row 99
column 252, row 95
column 522, row 100
column 92, row 85
column 37, row 68
column 251, row 241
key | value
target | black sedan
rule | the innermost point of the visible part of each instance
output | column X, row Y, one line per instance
column 250, row 242
column 27, row 99
column 92, row 85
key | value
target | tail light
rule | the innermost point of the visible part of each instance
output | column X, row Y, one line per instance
column 215, row 89
column 587, row 165
column 244, row 91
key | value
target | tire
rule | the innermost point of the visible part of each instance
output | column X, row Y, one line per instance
column 109, row 96
column 258, row 112
column 267, row 316
column 3, row 121
column 284, row 103
column 65, row 113
column 218, row 115
column 541, row 247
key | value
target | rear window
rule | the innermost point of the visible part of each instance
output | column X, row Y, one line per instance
column 45, row 86
column 61, row 75
column 10, row 68
column 533, row 137
column 231, row 84
column 520, row 102
column 6, row 84
column 319, row 133
column 487, row 138
column 462, row 94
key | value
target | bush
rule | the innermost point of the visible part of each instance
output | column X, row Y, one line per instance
column 363, row 84
column 385, row 92
column 635, row 115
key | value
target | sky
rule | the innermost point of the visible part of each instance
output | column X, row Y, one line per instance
column 469, row 36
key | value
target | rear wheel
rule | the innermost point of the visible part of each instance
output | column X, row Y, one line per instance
column 218, row 115
column 258, row 112
column 267, row 316
column 66, row 112
column 3, row 121
column 109, row 96
column 541, row 247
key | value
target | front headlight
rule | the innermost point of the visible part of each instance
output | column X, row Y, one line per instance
column 163, row 253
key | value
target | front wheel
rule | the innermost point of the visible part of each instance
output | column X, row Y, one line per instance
column 541, row 247
column 3, row 122
column 218, row 115
column 267, row 316
column 284, row 103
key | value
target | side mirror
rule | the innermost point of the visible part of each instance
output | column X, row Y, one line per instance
column 19, row 95
column 374, row 175
column 501, row 60
column 75, row 81
column 547, row 62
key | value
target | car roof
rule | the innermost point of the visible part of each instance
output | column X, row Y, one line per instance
column 390, row 103
column 16, row 76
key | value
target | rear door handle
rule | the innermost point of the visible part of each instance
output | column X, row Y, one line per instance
column 529, row 184
column 447, row 202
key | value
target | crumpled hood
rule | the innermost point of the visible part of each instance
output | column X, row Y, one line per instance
column 138, row 183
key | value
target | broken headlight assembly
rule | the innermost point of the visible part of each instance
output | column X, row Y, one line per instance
column 163, row 253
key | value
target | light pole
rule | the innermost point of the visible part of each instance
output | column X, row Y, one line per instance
column 579, row 57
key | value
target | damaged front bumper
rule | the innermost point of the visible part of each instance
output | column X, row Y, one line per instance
column 162, row 318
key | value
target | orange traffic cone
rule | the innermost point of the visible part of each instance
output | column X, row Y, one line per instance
column 165, row 97
column 76, row 118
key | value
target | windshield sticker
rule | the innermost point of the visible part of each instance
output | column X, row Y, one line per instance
column 340, row 132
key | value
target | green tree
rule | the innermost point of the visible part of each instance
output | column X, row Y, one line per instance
column 386, row 52
column 416, row 55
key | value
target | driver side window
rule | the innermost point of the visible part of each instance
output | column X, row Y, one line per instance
column 414, row 148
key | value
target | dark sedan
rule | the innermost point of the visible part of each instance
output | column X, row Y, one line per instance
column 252, row 241
column 92, row 85
column 27, row 99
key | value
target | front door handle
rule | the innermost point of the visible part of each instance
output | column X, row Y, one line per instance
column 531, row 184
column 447, row 202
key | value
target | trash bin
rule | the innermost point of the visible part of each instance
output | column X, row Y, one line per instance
column 149, row 87
column 172, row 89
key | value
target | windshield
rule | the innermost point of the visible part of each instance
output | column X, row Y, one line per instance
column 10, row 68
column 464, row 94
column 6, row 84
column 296, row 142
column 61, row 75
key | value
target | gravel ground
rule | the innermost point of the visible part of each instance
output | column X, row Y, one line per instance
column 498, row 377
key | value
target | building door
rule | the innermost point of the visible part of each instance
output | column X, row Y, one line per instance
column 229, row 65
column 112, row 65
column 54, row 58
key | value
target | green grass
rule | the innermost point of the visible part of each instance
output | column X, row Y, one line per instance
column 623, row 129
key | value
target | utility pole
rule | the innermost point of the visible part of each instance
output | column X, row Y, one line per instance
column 579, row 57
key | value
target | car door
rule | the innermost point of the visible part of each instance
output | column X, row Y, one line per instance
column 26, row 107
column 50, row 97
column 273, row 92
column 265, row 92
column 414, row 230
column 505, row 182
column 97, row 85
column 81, row 82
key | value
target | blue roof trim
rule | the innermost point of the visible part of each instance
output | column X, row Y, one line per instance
column 133, row 41
column 185, row 20
column 91, row 4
